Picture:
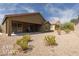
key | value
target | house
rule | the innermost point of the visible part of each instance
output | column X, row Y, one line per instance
column 19, row 23
column 53, row 24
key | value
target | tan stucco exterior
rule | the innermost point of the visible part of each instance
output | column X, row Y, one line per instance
column 52, row 27
column 4, row 27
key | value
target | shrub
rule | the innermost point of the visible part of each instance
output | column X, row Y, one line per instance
column 57, row 26
column 74, row 21
column 23, row 42
column 69, row 26
column 67, row 30
column 26, row 37
column 50, row 40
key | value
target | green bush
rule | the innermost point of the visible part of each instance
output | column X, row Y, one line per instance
column 69, row 26
column 50, row 40
column 57, row 26
column 67, row 30
column 26, row 37
column 23, row 42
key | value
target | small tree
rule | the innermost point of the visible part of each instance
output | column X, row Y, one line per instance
column 58, row 27
column 68, row 27
column 73, row 21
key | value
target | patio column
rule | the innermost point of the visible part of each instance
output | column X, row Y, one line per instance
column 9, row 23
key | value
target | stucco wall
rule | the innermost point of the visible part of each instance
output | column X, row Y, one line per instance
column 52, row 27
column 45, row 27
column 4, row 27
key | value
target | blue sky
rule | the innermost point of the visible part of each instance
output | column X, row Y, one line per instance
column 63, row 12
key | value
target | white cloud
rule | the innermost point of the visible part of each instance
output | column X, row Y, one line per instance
column 67, row 15
column 1, row 18
column 10, row 9
column 28, row 9
column 54, row 18
column 8, row 6
column 2, row 9
column 63, row 14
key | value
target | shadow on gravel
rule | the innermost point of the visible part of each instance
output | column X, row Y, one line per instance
column 29, row 49
column 31, row 33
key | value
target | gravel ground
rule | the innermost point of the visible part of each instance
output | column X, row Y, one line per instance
column 68, row 44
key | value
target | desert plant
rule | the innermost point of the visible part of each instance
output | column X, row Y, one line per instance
column 57, row 26
column 27, row 37
column 74, row 21
column 23, row 42
column 67, row 30
column 68, row 25
column 50, row 40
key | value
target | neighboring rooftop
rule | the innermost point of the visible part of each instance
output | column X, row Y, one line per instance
column 54, row 21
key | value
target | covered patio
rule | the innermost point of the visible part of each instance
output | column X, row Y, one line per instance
column 22, row 27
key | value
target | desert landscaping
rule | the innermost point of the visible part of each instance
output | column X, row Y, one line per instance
column 44, row 29
column 67, row 44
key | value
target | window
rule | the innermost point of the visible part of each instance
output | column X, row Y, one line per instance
column 19, row 25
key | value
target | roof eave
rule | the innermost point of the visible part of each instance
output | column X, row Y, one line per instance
column 4, row 19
